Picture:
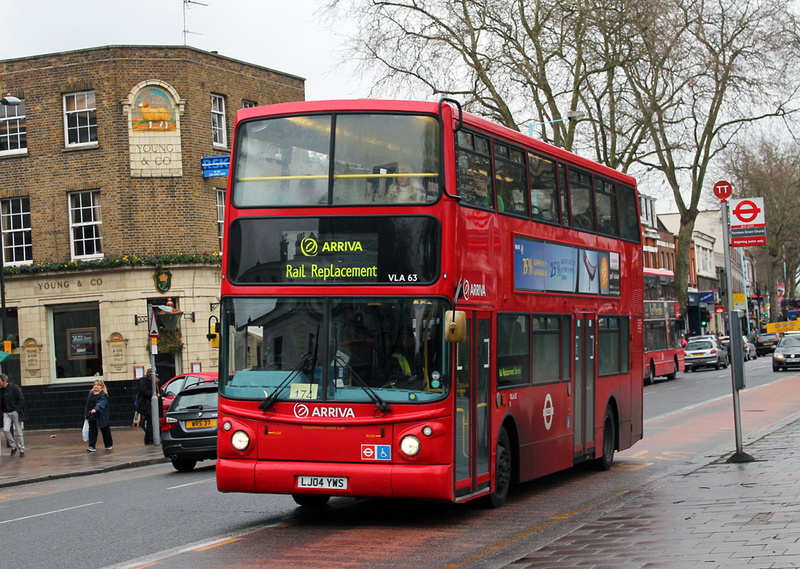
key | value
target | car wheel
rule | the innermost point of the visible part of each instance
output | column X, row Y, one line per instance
column 776, row 368
column 717, row 365
column 502, row 470
column 687, row 369
column 310, row 500
column 183, row 464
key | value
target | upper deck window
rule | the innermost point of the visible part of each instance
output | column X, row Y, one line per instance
column 509, row 176
column 628, row 214
column 474, row 165
column 376, row 159
column 544, row 189
column 606, row 199
column 582, row 201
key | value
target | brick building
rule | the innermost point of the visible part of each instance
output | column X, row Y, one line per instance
column 105, row 209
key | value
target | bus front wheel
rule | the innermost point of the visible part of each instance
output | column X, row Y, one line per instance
column 502, row 470
column 310, row 500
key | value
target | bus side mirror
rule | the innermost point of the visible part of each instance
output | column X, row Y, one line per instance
column 455, row 326
column 213, row 333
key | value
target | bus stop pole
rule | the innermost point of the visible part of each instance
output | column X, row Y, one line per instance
column 735, row 328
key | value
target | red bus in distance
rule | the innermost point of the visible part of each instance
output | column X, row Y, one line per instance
column 663, row 326
column 417, row 302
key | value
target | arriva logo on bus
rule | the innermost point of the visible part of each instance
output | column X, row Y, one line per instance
column 311, row 247
column 302, row 411
column 471, row 290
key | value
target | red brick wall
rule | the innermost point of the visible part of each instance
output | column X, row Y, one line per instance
column 141, row 216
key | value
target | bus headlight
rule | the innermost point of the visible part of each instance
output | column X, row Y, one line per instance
column 240, row 440
column 409, row 445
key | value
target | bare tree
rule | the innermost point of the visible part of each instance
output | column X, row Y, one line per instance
column 712, row 68
column 515, row 61
column 666, row 84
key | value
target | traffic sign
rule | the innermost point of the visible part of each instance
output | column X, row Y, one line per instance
column 719, row 308
column 723, row 190
column 748, row 222
column 154, row 333
column 747, row 212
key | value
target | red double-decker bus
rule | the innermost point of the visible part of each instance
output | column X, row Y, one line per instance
column 663, row 326
column 417, row 302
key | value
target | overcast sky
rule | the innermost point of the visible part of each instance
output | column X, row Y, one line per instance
column 284, row 35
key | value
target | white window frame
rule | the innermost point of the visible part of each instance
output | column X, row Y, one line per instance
column 16, row 231
column 247, row 104
column 85, row 106
column 83, row 215
column 219, row 135
column 13, row 118
column 220, row 217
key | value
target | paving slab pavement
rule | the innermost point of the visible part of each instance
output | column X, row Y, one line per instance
column 62, row 453
column 720, row 516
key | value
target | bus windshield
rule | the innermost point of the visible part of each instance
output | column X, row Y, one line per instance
column 377, row 158
column 335, row 349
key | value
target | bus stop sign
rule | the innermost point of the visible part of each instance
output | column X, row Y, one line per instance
column 723, row 190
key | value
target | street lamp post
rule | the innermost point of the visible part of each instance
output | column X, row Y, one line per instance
column 9, row 101
column 571, row 116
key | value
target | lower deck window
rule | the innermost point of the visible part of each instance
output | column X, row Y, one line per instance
column 613, row 350
column 513, row 350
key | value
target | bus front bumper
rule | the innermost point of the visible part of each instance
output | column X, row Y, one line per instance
column 432, row 482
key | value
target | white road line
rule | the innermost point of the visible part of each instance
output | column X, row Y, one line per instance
column 231, row 536
column 192, row 483
column 49, row 513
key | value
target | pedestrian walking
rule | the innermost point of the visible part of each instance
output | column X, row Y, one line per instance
column 12, row 403
column 144, row 393
column 97, row 413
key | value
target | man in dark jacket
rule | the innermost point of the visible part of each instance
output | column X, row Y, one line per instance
column 144, row 393
column 11, row 402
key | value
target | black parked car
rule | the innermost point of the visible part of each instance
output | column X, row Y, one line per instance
column 765, row 343
column 191, row 421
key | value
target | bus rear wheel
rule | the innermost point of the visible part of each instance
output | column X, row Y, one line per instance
column 651, row 378
column 310, row 500
column 609, row 442
column 502, row 470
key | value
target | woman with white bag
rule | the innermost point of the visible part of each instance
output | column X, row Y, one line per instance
column 97, row 415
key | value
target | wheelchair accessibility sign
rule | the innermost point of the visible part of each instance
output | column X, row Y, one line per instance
column 376, row 452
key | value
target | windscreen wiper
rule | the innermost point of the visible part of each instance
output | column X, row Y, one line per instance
column 270, row 399
column 376, row 399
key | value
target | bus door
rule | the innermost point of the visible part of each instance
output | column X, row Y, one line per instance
column 584, row 362
column 472, row 376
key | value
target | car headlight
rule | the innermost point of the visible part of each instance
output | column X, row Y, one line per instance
column 778, row 356
column 240, row 440
column 409, row 445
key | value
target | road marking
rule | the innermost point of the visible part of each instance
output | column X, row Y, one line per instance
column 49, row 513
column 155, row 558
column 191, row 483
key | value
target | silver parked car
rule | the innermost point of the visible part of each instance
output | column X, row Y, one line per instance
column 704, row 352
column 787, row 354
